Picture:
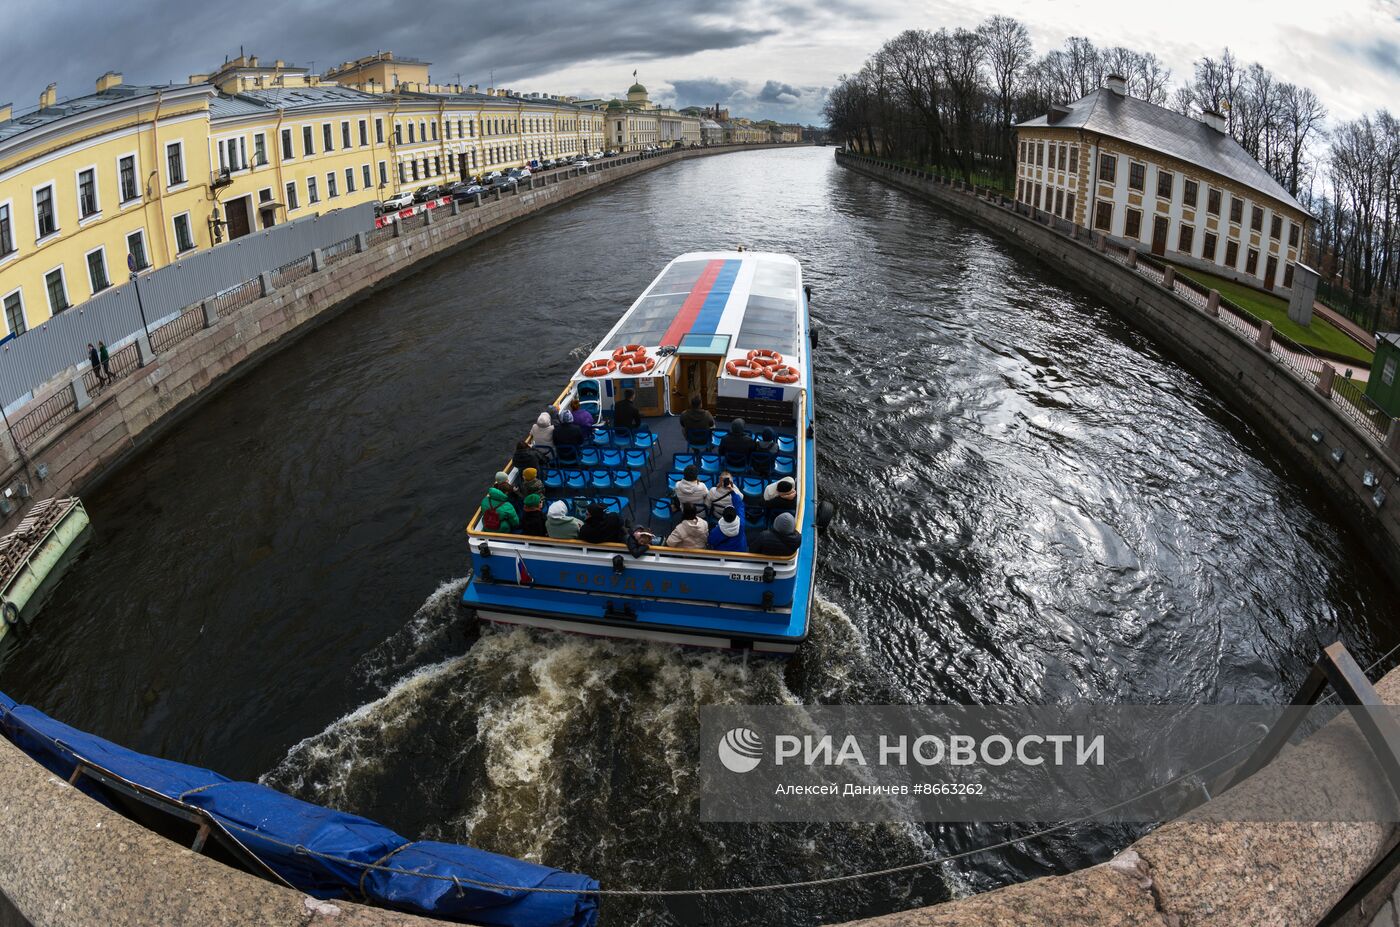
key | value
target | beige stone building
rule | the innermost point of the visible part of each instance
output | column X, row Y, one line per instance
column 1152, row 178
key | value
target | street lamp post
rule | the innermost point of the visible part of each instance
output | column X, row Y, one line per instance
column 140, row 306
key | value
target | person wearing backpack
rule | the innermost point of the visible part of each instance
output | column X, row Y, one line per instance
column 498, row 512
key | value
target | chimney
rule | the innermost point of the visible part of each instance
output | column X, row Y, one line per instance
column 1057, row 114
column 252, row 61
column 1117, row 83
column 7, row 111
column 199, row 78
column 108, row 81
column 279, row 63
column 49, row 97
column 1214, row 119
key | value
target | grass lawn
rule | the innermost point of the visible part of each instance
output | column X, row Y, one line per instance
column 1320, row 334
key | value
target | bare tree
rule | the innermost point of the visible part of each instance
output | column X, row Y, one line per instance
column 1009, row 53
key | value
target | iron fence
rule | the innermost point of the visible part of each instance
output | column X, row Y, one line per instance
column 178, row 329
column 339, row 251
column 291, row 272
column 45, row 417
column 235, row 298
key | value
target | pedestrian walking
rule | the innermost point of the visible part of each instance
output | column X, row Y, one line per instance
column 96, row 363
column 106, row 361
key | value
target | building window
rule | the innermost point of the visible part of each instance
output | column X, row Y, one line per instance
column 1232, row 254
column 1021, row 188
column 287, row 153
column 45, row 218
column 1251, row 261
column 126, row 178
column 1069, row 206
column 7, row 232
column 437, row 163
column 332, row 188
column 327, row 143
column 364, row 134
column 414, row 165
column 312, row 194
column 14, row 313
column 383, row 174
column 1256, row 219
column 1040, row 153
column 1108, row 169
column 1213, row 202
column 1137, row 175
column 1236, row 210
column 379, row 131
column 136, row 247
column 184, row 235
column 411, row 137
column 308, row 143
column 97, row 271
column 471, row 128
column 87, row 193
column 1191, row 194
column 260, row 149
column 1061, row 156
column 57, row 290
column 403, row 172
column 1288, row 276
column 434, row 130
column 292, row 196
column 1293, row 235
column 1165, row 179
column 367, row 176
column 1185, row 238
column 1132, row 223
column 175, row 163
column 1208, row 243
column 1103, row 215
column 1059, row 202
column 1074, row 159
column 459, row 129
column 398, row 134
column 1276, row 227
column 345, row 133
column 349, row 180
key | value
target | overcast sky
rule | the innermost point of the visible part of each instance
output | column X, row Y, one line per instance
column 771, row 59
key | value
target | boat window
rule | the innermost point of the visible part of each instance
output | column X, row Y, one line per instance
column 705, row 345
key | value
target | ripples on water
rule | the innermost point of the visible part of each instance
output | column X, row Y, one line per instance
column 1036, row 505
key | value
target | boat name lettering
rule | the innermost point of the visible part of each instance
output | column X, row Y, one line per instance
column 624, row 583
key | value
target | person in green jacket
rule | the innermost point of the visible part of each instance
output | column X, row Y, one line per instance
column 498, row 512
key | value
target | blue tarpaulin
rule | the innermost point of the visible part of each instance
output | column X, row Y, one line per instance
column 273, row 826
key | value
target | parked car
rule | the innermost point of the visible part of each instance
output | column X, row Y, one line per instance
column 610, row 153
column 581, row 162
column 491, row 178
column 465, row 191
column 431, row 192
column 522, row 173
column 502, row 182
column 397, row 201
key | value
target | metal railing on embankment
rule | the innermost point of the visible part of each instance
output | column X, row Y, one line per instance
column 46, row 414
column 1317, row 373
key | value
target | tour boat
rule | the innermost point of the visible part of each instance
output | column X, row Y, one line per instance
column 732, row 328
column 34, row 557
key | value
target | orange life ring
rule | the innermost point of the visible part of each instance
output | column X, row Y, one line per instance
column 637, row 350
column 765, row 358
column 634, row 366
column 780, row 374
column 742, row 367
column 599, row 368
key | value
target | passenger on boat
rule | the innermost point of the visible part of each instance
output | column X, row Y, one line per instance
column 601, row 526
column 765, row 449
column 503, row 483
column 736, row 446
column 782, row 540
column 728, row 532
column 696, row 418
column 722, row 495
column 532, row 518
column 498, row 510
column 530, row 482
column 567, row 433
column 781, row 495
column 692, row 532
column 527, row 458
column 582, row 417
column 560, row 524
column 691, row 490
column 625, row 414
column 542, row 432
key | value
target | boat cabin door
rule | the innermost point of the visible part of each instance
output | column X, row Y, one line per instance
column 698, row 360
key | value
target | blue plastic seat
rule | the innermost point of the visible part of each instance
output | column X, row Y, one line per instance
column 681, row 461
column 761, row 462
column 709, row 463
column 755, row 516
column 752, row 488
column 784, row 465
column 610, row 457
column 717, row 436
column 698, row 440
column 737, row 462
column 662, row 509
column 624, row 479
column 600, row 479
column 575, row 479
column 674, row 477
column 622, row 437
column 644, row 438
column 553, row 478
column 602, row 435
column 588, row 456
column 616, row 504
column 787, row 444
column 637, row 459
column 566, row 455
column 578, row 506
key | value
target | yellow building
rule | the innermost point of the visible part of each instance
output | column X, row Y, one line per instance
column 87, row 181
column 637, row 123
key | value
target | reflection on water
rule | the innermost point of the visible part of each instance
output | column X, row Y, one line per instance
column 1035, row 505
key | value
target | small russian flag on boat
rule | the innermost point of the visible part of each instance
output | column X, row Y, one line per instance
column 522, row 573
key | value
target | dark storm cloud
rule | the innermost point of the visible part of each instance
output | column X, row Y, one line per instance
column 775, row 92
column 1382, row 53
column 161, row 40
column 705, row 91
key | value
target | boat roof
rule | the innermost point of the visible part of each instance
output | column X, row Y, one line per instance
column 716, row 303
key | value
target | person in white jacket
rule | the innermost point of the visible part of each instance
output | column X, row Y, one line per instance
column 542, row 432
column 691, row 489
column 693, row 531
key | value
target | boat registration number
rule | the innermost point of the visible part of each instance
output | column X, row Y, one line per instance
column 746, row 577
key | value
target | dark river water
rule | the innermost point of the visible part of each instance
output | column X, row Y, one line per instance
column 1037, row 505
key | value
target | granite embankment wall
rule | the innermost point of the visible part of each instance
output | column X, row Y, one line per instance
column 1290, row 396
column 1190, row 873
column 125, row 417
